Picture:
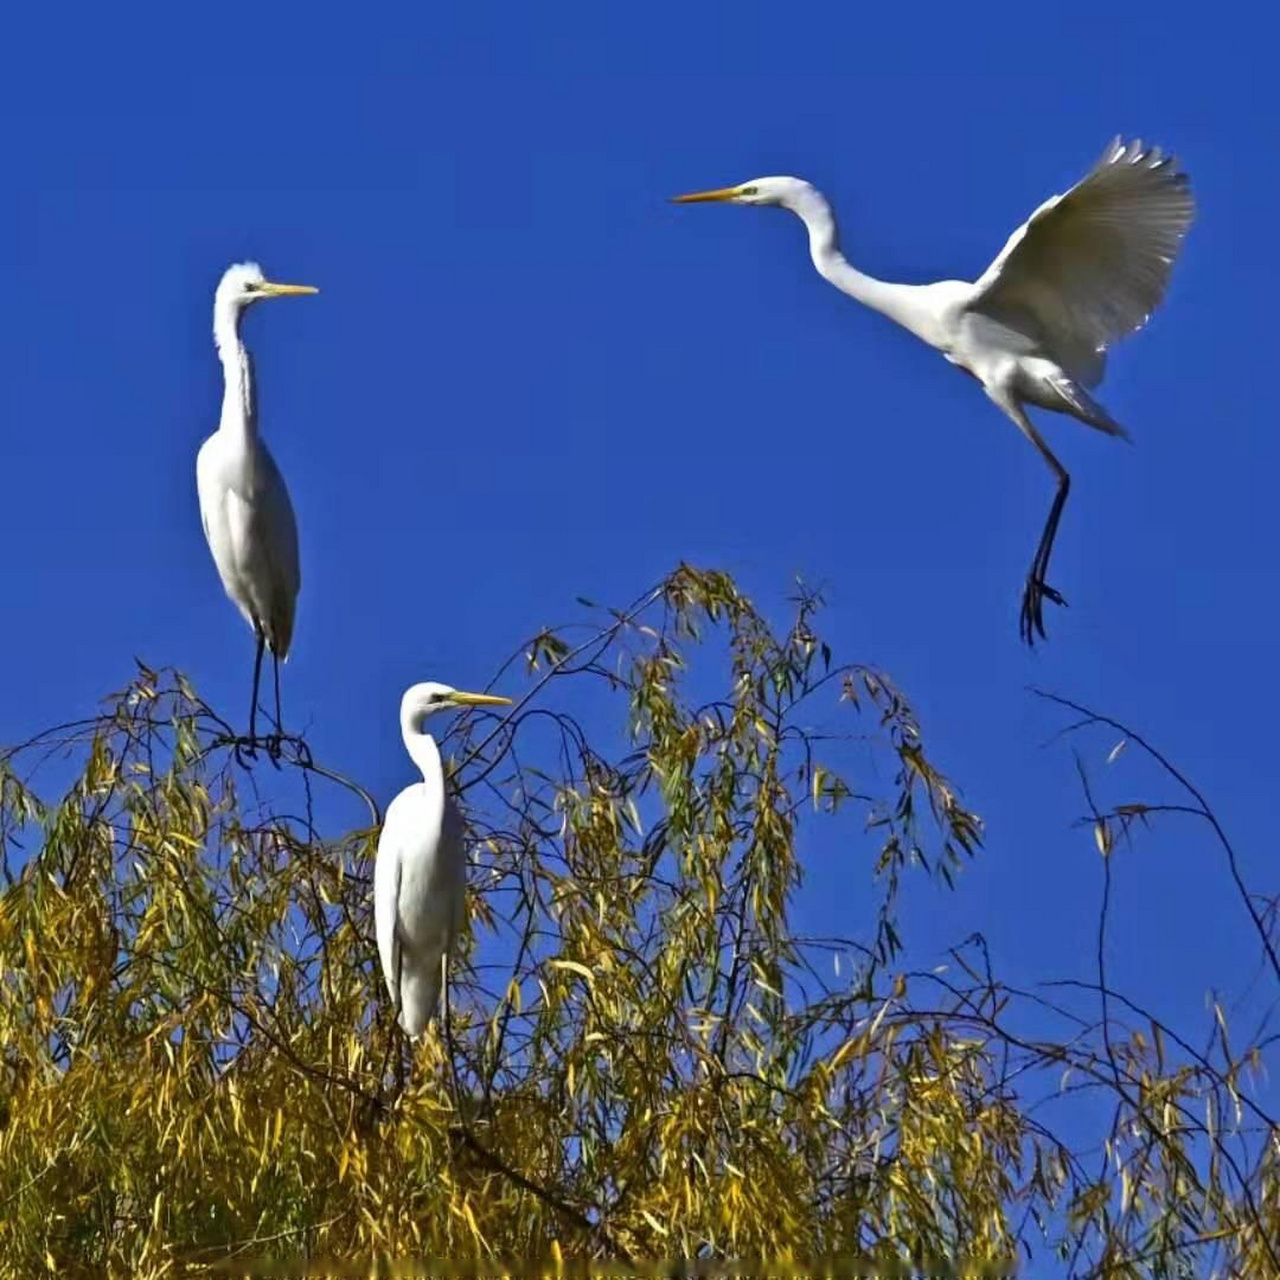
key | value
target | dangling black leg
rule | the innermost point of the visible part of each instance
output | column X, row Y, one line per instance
column 1037, row 590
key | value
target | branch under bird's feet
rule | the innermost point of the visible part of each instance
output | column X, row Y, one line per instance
column 273, row 743
column 280, row 747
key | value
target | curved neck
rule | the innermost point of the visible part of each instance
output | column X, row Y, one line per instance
column 239, row 408
column 423, row 752
column 893, row 300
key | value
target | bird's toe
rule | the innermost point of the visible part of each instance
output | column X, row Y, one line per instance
column 1031, row 622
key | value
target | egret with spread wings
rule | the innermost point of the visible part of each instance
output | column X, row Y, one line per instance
column 244, row 505
column 1086, row 269
column 420, row 876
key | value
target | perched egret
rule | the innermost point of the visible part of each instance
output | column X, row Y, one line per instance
column 420, row 876
column 244, row 505
column 1086, row 269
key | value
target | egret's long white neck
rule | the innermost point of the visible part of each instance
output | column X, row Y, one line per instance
column 422, row 748
column 897, row 301
column 239, row 411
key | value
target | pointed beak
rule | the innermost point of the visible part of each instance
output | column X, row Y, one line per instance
column 270, row 289
column 458, row 698
column 699, row 197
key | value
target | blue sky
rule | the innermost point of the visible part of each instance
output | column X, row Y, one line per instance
column 529, row 378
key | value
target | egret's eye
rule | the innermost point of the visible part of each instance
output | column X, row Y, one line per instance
column 250, row 287
column 750, row 191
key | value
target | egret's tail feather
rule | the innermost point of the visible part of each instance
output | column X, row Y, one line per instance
column 419, row 995
column 279, row 633
column 1083, row 406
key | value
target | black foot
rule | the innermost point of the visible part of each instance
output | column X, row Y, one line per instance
column 272, row 745
column 246, row 751
column 1033, row 598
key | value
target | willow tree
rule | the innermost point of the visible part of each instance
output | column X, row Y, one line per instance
column 642, row 1055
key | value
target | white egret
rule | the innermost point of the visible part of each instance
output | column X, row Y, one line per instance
column 1086, row 269
column 244, row 505
column 420, row 876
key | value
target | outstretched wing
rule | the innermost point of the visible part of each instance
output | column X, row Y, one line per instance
column 1090, row 266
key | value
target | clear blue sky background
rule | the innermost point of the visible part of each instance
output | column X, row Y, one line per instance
column 528, row 378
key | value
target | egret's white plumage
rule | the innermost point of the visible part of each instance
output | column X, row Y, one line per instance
column 1087, row 268
column 420, row 876
column 244, row 505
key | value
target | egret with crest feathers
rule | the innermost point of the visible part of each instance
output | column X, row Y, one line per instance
column 244, row 505
column 420, row 876
column 1086, row 269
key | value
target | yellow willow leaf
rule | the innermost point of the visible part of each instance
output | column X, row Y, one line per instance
column 1102, row 837
column 574, row 967
column 471, row 1222
column 760, row 982
column 654, row 1223
column 842, row 1054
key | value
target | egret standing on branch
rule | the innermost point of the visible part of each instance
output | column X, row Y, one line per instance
column 420, row 876
column 1086, row 269
column 244, row 505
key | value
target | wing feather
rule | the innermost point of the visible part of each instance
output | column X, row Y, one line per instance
column 387, row 872
column 276, row 536
column 1089, row 267
column 280, row 553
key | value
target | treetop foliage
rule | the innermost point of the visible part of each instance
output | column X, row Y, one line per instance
column 642, row 1055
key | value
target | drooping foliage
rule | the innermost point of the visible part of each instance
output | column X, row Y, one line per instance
column 643, row 1054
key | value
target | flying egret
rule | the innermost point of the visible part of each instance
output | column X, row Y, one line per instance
column 244, row 505
column 1086, row 269
column 420, row 875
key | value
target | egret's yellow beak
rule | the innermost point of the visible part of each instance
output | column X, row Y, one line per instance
column 478, row 699
column 272, row 290
column 697, row 197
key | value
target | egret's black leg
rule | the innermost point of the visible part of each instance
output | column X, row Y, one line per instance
column 273, row 743
column 1037, row 590
column 249, row 749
